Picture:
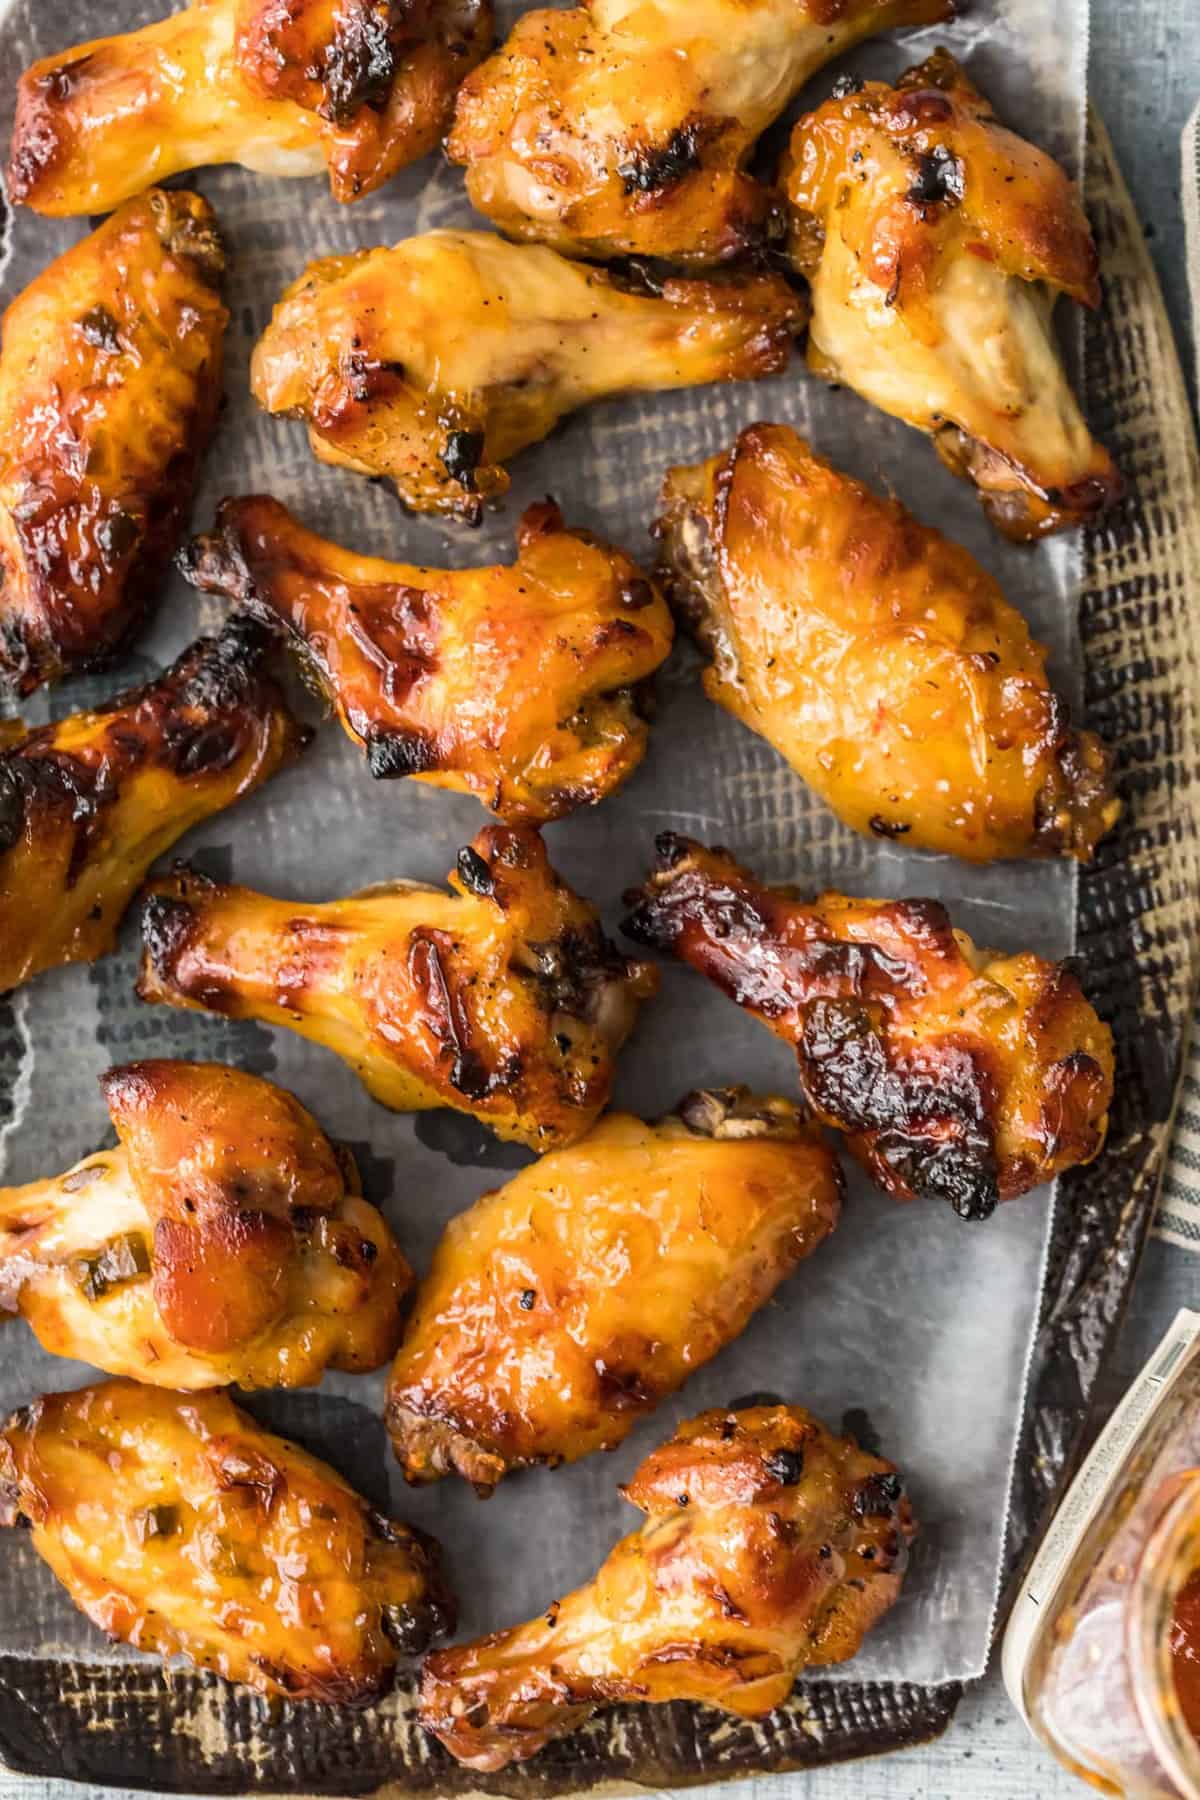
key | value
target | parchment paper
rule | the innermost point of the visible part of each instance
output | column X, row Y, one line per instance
column 909, row 1321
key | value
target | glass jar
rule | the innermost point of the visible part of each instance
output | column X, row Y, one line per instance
column 1102, row 1652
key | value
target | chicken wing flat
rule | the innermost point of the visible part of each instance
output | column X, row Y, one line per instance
column 181, row 1527
column 503, row 999
column 620, row 129
column 877, row 657
column 568, row 1303
column 110, row 381
column 87, row 804
column 958, row 1074
column 769, row 1546
column 936, row 243
column 520, row 685
column 435, row 362
column 225, row 1239
column 286, row 87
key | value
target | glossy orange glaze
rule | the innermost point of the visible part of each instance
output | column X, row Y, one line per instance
column 565, row 1305
column 181, row 1527
column 436, row 361
column 616, row 129
column 517, row 684
column 769, row 1546
column 87, row 804
column 935, row 242
column 1185, row 1651
column 878, row 658
column 503, row 999
column 110, row 381
column 957, row 1073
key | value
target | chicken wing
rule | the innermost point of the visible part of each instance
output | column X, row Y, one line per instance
column 958, row 1074
column 435, row 362
column 877, row 657
column 503, row 999
column 936, row 243
column 181, row 1527
column 563, row 1306
column 224, row 1239
column 769, row 1546
column 110, row 381
column 86, row 805
column 520, row 685
column 623, row 129
column 286, row 87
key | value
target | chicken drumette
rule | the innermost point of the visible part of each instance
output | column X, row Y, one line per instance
column 86, row 805
column 615, row 129
column 958, row 1074
column 769, row 1546
column 878, row 658
column 287, row 87
column 568, row 1303
column 223, row 1240
column 435, row 362
column 520, row 685
column 181, row 1527
column 110, row 380
column 503, row 999
column 936, row 243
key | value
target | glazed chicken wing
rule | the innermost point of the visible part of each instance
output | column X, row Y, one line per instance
column 435, row 362
column 565, row 1305
column 958, row 1074
column 877, row 657
column 503, row 999
column 769, row 1546
column 622, row 129
column 936, row 243
column 224, row 1239
column 287, row 87
column 520, row 685
column 86, row 805
column 181, row 1527
column 110, row 381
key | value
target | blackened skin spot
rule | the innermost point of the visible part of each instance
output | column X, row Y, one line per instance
column 117, row 534
column 205, row 749
column 857, row 1424
column 360, row 64
column 940, row 179
column 167, row 926
column 462, row 456
column 467, row 1143
column 14, row 804
column 878, row 1496
column 785, row 1466
column 650, row 170
column 635, row 595
column 845, row 85
column 392, row 754
column 528, row 1299
column 888, row 828
column 474, row 873
column 100, row 329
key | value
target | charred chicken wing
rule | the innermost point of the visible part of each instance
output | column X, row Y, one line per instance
column 110, row 380
column 877, row 657
column 958, row 1074
column 618, row 129
column 503, row 999
column 435, row 362
column 224, row 1239
column 287, row 87
column 86, row 805
column 936, row 243
column 769, row 1546
column 565, row 1305
column 181, row 1527
column 520, row 685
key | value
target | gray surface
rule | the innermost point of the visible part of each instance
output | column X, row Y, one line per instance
column 1145, row 78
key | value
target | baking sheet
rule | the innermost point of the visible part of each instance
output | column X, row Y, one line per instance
column 911, row 1321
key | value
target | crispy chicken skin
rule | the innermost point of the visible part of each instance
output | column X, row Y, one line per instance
column 223, row 1240
column 286, row 87
column 87, row 804
column 958, row 1074
column 518, row 684
column 936, row 243
column 435, row 362
column 503, row 999
column 769, row 1546
column 181, row 1527
column 878, row 658
column 110, row 381
column 622, row 129
column 569, row 1302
